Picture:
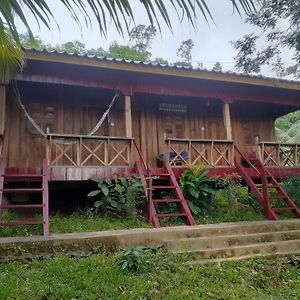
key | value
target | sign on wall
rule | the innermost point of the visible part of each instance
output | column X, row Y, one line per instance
column 172, row 107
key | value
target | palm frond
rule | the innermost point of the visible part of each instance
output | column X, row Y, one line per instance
column 119, row 12
column 11, row 55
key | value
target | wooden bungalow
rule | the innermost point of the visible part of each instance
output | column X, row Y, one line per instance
column 91, row 116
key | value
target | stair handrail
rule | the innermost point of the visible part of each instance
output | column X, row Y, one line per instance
column 246, row 160
column 141, row 156
column 1, row 143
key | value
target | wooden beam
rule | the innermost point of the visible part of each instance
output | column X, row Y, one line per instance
column 2, row 109
column 128, row 117
column 142, row 68
column 155, row 89
column 227, row 121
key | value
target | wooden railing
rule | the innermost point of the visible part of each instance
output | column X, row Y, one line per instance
column 279, row 154
column 83, row 150
column 199, row 151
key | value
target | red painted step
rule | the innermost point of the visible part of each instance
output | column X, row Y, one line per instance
column 169, row 176
column 7, row 206
column 26, row 178
column 22, row 190
column 261, row 191
column 164, row 187
column 172, row 215
column 21, row 222
column 166, row 200
column 283, row 208
column 23, row 176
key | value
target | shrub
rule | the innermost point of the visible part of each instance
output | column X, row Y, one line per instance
column 196, row 189
column 292, row 187
column 133, row 259
column 231, row 194
column 120, row 195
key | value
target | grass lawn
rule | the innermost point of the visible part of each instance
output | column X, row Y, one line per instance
column 79, row 222
column 162, row 276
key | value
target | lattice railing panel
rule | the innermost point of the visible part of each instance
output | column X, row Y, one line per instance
column 279, row 154
column 79, row 150
column 201, row 152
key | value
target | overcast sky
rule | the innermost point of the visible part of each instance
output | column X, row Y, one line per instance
column 212, row 42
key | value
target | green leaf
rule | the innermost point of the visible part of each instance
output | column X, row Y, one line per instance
column 104, row 190
column 195, row 209
column 93, row 193
column 97, row 204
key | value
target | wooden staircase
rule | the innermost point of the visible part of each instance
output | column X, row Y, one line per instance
column 22, row 183
column 261, row 183
column 156, row 183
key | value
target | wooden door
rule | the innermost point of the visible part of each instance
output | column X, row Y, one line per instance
column 172, row 125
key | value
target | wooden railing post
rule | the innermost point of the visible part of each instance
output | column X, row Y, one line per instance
column 2, row 108
column 128, row 117
column 78, row 150
column 48, row 149
column 227, row 121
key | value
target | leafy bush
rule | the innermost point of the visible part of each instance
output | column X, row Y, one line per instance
column 292, row 187
column 120, row 195
column 133, row 259
column 231, row 194
column 196, row 189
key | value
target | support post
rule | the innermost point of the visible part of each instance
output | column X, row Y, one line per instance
column 128, row 117
column 2, row 109
column 227, row 121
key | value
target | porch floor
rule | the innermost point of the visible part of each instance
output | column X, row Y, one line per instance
column 67, row 173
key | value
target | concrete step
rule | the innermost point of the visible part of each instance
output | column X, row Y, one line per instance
column 220, row 229
column 219, row 260
column 236, row 252
column 212, row 242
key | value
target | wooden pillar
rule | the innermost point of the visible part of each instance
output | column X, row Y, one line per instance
column 227, row 121
column 2, row 108
column 128, row 117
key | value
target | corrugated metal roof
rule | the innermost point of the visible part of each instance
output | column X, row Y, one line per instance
column 161, row 66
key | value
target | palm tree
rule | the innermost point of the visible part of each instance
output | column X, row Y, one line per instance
column 119, row 11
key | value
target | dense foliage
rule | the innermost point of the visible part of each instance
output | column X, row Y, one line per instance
column 120, row 196
column 278, row 22
column 288, row 128
column 196, row 189
column 292, row 187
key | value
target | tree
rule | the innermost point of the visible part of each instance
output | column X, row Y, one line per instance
column 142, row 36
column 288, row 128
column 125, row 52
column 185, row 52
column 119, row 11
column 217, row 67
column 161, row 61
column 30, row 43
column 73, row 47
column 279, row 22
column 115, row 50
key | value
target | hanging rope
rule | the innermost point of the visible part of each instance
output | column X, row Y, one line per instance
column 62, row 140
column 100, row 122
column 33, row 123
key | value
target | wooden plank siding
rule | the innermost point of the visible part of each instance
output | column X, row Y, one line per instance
column 76, row 110
column 203, row 119
column 249, row 121
column 59, row 110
